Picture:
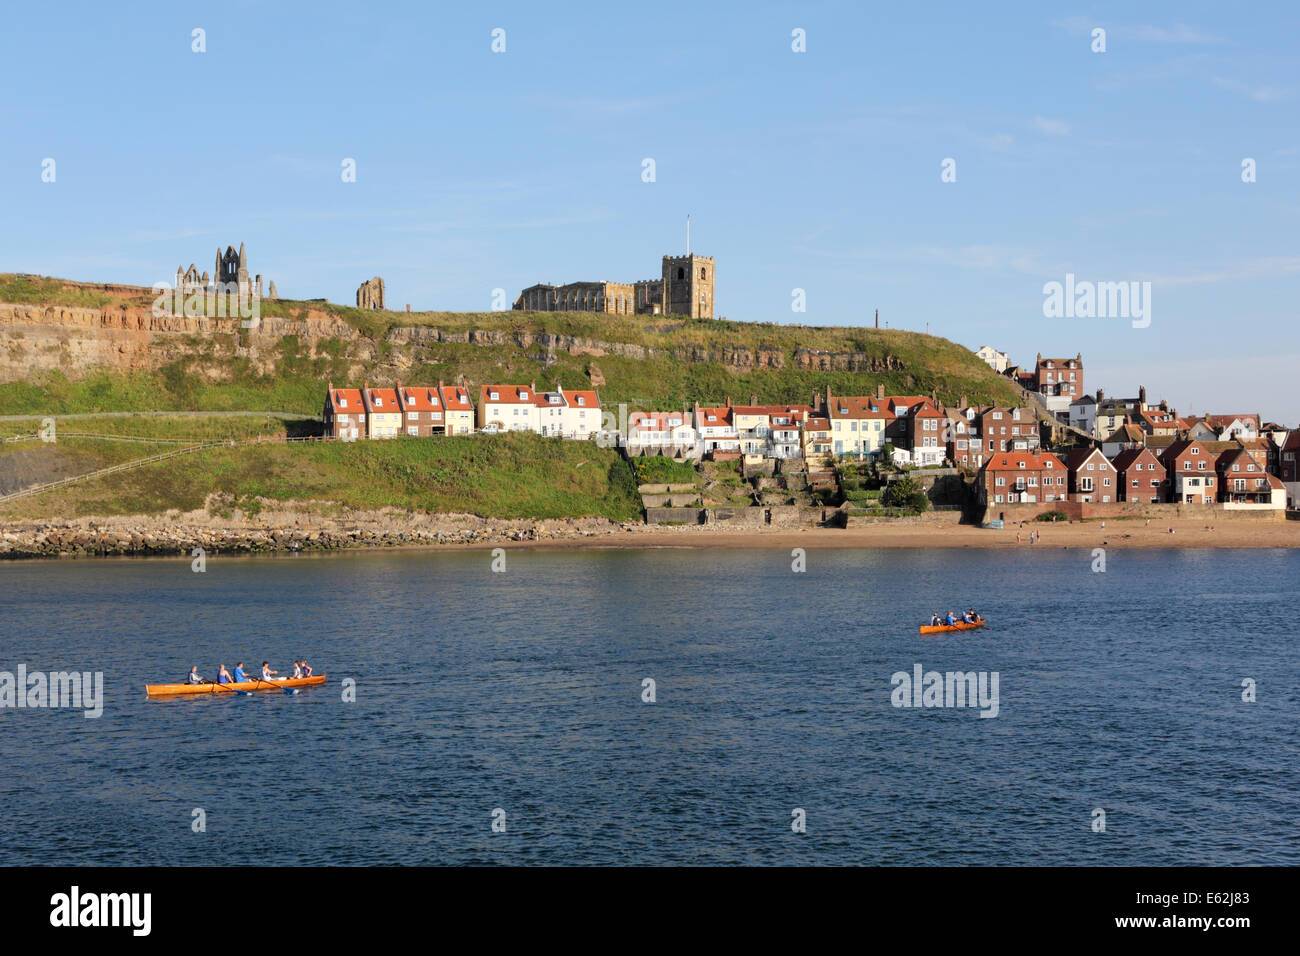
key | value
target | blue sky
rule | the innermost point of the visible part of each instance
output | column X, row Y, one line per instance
column 816, row 170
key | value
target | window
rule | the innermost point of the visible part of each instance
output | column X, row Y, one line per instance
column 343, row 403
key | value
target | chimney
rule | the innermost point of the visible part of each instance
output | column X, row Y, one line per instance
column 440, row 383
column 1100, row 396
column 753, row 399
column 408, row 307
column 963, row 402
column 880, row 392
column 1142, row 396
column 816, row 401
column 828, row 399
column 728, row 401
column 877, row 318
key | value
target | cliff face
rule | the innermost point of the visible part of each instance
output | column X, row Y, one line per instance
column 128, row 338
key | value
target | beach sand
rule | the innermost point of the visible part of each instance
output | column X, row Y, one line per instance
column 1135, row 533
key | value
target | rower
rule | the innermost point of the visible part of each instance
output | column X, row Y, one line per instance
column 267, row 673
column 223, row 675
column 306, row 669
column 193, row 676
column 975, row 618
column 950, row 619
column 239, row 673
column 934, row 619
column 967, row 619
column 297, row 670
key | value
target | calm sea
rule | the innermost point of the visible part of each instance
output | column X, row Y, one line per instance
column 522, row 692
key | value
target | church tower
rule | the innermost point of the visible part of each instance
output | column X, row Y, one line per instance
column 688, row 285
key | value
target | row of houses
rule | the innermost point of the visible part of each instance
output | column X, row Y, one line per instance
column 426, row 410
column 1184, row 471
column 911, row 429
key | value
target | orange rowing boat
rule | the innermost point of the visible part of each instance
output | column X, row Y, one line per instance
column 959, row 626
column 179, row 690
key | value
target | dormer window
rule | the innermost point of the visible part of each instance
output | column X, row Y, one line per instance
column 495, row 396
column 523, row 396
column 582, row 400
column 379, row 402
column 343, row 403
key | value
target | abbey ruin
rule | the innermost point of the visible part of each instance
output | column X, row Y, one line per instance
column 229, row 275
column 370, row 294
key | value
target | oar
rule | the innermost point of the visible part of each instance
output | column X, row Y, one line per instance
column 287, row 690
column 234, row 690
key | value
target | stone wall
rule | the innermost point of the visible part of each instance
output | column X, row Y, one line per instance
column 1080, row 511
column 675, row 515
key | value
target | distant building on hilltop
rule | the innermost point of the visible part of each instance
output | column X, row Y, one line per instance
column 230, row 272
column 996, row 360
column 684, row 287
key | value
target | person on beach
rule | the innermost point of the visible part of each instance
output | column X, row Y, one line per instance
column 239, row 673
column 193, row 676
column 223, row 675
column 267, row 673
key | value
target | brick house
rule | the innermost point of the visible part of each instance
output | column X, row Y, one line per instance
column 1141, row 475
column 1288, row 468
column 345, row 413
column 1022, row 476
column 1190, row 467
column 1058, row 380
column 1243, row 479
column 422, row 413
column 1007, row 429
column 1092, row 476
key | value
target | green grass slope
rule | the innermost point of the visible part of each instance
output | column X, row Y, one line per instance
column 501, row 476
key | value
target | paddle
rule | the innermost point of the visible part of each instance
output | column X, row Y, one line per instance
column 287, row 690
column 234, row 690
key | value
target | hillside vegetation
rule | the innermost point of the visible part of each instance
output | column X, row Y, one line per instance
column 503, row 476
column 693, row 360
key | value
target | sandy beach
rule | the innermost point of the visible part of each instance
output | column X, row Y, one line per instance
column 1187, row 533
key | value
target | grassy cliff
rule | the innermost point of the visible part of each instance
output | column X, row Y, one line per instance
column 646, row 361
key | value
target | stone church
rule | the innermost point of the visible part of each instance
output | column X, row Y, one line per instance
column 684, row 287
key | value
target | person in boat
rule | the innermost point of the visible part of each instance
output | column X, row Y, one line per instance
column 934, row 619
column 297, row 669
column 974, row 616
column 239, row 673
column 223, row 675
column 267, row 673
column 950, row 619
column 306, row 668
column 193, row 676
column 967, row 619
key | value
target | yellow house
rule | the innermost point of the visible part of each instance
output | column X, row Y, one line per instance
column 857, row 424
column 457, row 407
column 383, row 412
